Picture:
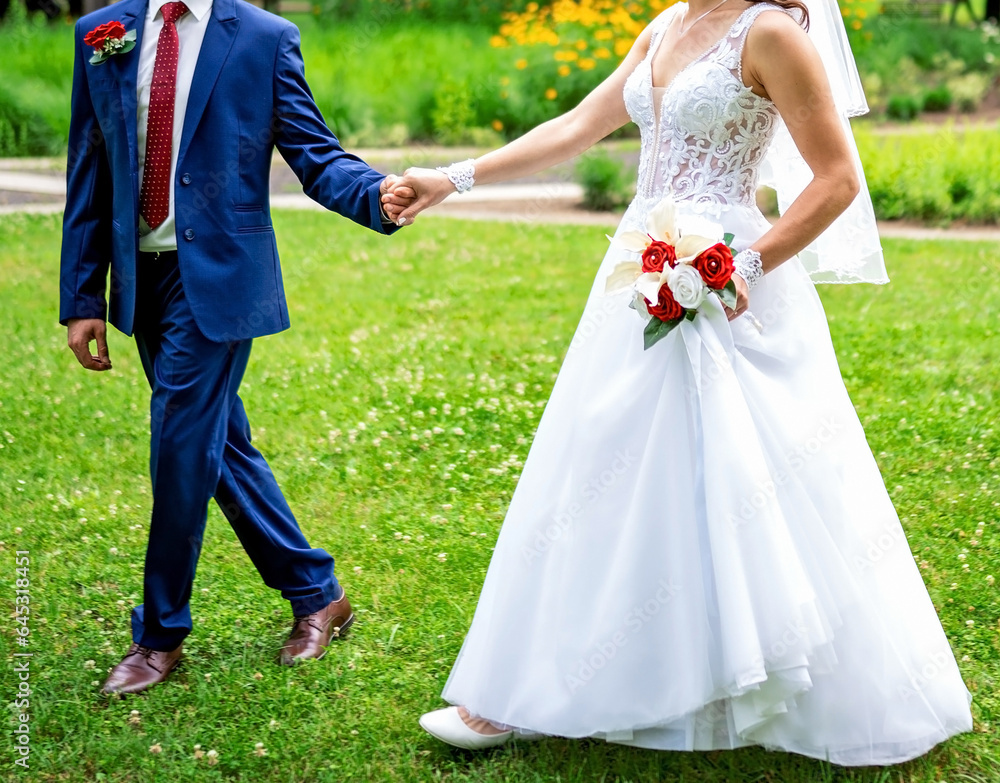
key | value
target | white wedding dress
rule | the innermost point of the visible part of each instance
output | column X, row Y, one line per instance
column 701, row 552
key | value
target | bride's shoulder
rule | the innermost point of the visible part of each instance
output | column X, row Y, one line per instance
column 786, row 19
column 774, row 28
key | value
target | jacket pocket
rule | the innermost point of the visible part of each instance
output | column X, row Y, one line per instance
column 253, row 229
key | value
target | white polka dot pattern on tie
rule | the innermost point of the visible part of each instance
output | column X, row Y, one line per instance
column 154, row 196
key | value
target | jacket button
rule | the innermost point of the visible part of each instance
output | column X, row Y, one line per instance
column 186, row 179
column 189, row 234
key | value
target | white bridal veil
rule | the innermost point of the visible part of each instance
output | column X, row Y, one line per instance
column 849, row 251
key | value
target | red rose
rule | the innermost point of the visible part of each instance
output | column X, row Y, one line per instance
column 98, row 36
column 666, row 307
column 656, row 255
column 715, row 265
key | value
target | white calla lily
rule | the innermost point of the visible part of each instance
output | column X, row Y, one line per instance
column 691, row 246
column 623, row 276
column 649, row 285
column 634, row 241
column 661, row 223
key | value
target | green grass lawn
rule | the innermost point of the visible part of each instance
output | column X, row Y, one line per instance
column 396, row 414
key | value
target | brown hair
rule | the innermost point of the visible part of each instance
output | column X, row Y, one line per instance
column 802, row 15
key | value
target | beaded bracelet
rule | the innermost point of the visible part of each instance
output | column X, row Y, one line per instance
column 462, row 175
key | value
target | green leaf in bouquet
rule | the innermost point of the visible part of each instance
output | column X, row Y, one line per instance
column 656, row 330
column 690, row 314
column 728, row 239
column 728, row 295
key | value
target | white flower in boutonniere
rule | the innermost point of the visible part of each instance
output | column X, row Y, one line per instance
column 108, row 40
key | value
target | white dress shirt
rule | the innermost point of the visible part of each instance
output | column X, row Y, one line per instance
column 191, row 32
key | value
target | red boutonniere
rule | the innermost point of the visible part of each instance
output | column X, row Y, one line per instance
column 108, row 40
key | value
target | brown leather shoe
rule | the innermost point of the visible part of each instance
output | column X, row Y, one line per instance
column 141, row 668
column 312, row 634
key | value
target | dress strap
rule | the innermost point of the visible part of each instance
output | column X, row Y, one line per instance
column 740, row 30
column 659, row 26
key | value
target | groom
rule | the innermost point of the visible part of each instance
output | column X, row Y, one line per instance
column 176, row 109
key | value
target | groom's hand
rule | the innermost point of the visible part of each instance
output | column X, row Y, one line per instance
column 394, row 199
column 80, row 333
column 415, row 191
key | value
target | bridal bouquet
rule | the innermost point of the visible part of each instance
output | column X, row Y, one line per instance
column 683, row 262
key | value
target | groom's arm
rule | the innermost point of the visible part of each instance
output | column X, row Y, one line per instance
column 86, row 241
column 338, row 180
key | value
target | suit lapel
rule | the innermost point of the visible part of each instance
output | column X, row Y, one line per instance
column 134, row 18
column 219, row 37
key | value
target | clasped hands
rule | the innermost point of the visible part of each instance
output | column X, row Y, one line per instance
column 404, row 197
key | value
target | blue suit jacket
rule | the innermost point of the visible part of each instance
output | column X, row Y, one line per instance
column 248, row 96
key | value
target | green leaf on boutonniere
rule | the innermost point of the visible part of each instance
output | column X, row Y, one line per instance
column 656, row 330
column 728, row 295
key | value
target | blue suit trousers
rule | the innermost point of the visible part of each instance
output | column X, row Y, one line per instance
column 200, row 448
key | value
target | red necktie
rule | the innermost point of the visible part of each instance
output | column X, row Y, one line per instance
column 154, row 196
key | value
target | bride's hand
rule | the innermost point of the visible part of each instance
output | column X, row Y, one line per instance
column 742, row 298
column 415, row 191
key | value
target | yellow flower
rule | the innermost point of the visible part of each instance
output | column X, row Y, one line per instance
column 498, row 42
column 505, row 81
column 602, row 53
column 587, row 64
column 581, row 45
column 551, row 93
column 622, row 47
column 861, row 13
column 564, row 70
column 521, row 64
column 856, row 24
column 604, row 35
column 497, row 125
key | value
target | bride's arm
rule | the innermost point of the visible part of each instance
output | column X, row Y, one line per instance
column 781, row 60
column 552, row 142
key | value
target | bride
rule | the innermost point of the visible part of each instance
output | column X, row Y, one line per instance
column 701, row 552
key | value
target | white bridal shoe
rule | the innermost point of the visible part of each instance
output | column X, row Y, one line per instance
column 447, row 725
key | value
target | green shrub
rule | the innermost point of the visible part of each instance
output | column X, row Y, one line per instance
column 607, row 182
column 937, row 176
column 938, row 99
column 453, row 112
column 969, row 90
column 902, row 107
column 24, row 132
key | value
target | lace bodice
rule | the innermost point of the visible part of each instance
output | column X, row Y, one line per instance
column 705, row 134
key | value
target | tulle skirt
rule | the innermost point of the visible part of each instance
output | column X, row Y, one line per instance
column 701, row 553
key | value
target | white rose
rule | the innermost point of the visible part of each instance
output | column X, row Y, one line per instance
column 687, row 286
